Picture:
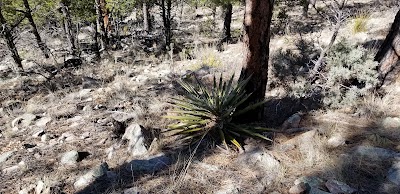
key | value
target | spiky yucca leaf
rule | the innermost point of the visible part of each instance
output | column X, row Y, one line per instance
column 209, row 111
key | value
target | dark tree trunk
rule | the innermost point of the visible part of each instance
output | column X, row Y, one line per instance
column 166, row 16
column 41, row 44
column 257, row 22
column 146, row 18
column 96, row 39
column 388, row 55
column 226, row 31
column 68, row 28
column 101, row 25
column 227, row 21
column 7, row 33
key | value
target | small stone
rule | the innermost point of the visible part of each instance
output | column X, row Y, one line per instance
column 136, row 146
column 91, row 176
column 5, row 156
column 15, row 168
column 391, row 123
column 24, row 120
column 85, row 135
column 40, row 187
column 298, row 189
column 310, row 182
column 337, row 187
column 42, row 122
column 375, row 153
column 70, row 158
column 292, row 122
column 394, row 174
column 38, row 133
column 44, row 138
column 336, row 141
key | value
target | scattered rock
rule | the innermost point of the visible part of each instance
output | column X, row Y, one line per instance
column 91, row 176
column 298, row 189
column 336, row 140
column 150, row 165
column 292, row 122
column 15, row 168
column 337, row 187
column 375, row 153
column 310, row 182
column 70, row 158
column 5, row 156
column 24, row 120
column 391, row 123
column 136, row 146
column 42, row 122
column 67, row 137
column 394, row 173
column 317, row 191
column 85, row 135
column 40, row 187
column 44, row 138
column 38, row 133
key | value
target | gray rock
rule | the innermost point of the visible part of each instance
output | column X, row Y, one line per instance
column 136, row 146
column 70, row 158
column 42, row 122
column 67, row 136
column 394, row 174
column 23, row 120
column 91, row 176
column 336, row 140
column 375, row 153
column 150, row 165
column 337, row 187
column 317, row 191
column 298, row 189
column 44, row 138
column 40, row 187
column 5, row 156
column 310, row 182
column 39, row 133
column 14, row 169
column 391, row 123
column 292, row 122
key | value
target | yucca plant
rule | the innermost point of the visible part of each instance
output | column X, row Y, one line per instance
column 210, row 111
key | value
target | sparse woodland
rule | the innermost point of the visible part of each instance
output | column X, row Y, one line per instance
column 200, row 96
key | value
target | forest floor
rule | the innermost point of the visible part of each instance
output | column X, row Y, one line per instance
column 96, row 128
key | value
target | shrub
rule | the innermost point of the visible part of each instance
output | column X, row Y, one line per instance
column 206, row 112
column 360, row 23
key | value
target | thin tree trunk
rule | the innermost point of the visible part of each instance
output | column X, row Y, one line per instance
column 146, row 18
column 68, row 28
column 7, row 33
column 41, row 44
column 257, row 22
column 96, row 37
column 166, row 16
column 101, row 25
column 226, row 32
column 388, row 55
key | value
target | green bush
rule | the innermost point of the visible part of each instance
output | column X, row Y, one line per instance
column 208, row 113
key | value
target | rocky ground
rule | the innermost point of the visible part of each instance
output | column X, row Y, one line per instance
column 96, row 129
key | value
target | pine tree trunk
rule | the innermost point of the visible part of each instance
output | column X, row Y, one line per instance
column 388, row 55
column 41, row 44
column 68, row 28
column 146, row 18
column 166, row 16
column 257, row 22
column 96, row 39
column 101, row 25
column 7, row 33
column 227, row 22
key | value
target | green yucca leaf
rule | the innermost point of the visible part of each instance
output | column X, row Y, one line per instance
column 204, row 109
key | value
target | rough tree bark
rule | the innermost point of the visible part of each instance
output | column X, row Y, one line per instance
column 6, row 31
column 257, row 22
column 68, row 28
column 226, row 32
column 101, row 25
column 146, row 17
column 388, row 55
column 166, row 16
column 41, row 44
